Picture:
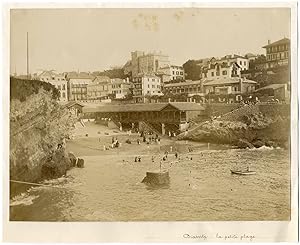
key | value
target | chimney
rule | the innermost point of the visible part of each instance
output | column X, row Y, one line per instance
column 269, row 41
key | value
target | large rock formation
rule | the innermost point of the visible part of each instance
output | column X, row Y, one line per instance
column 38, row 129
column 244, row 130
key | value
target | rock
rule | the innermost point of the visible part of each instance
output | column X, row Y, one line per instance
column 258, row 143
column 72, row 158
column 244, row 144
column 80, row 163
column 157, row 178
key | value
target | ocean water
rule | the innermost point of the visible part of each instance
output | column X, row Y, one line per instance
column 109, row 188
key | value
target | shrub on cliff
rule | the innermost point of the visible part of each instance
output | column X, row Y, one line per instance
column 21, row 89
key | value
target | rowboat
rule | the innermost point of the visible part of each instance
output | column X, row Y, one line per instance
column 243, row 172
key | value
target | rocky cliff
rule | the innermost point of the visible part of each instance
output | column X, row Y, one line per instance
column 244, row 127
column 38, row 127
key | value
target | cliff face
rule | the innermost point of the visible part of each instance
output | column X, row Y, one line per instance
column 246, row 127
column 38, row 125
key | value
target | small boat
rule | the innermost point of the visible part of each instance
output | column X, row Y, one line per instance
column 246, row 172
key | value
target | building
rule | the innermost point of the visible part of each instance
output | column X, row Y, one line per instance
column 121, row 88
column 156, row 117
column 102, row 88
column 278, row 91
column 57, row 80
column 146, row 85
column 228, row 89
column 77, row 84
column 189, row 87
column 220, row 70
column 278, row 53
column 99, row 89
column 242, row 61
column 74, row 107
column 171, row 73
column 142, row 63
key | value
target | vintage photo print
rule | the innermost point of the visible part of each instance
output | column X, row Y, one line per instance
column 177, row 121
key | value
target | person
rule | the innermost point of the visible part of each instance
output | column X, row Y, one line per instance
column 176, row 155
column 139, row 159
column 138, row 141
column 113, row 140
column 135, row 159
column 152, row 158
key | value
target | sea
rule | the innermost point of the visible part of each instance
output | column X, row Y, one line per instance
column 201, row 188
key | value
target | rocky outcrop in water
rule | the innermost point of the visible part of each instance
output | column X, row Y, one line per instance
column 250, row 130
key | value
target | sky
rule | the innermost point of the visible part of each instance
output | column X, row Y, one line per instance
column 98, row 39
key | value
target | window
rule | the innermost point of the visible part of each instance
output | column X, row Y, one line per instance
column 64, row 87
column 181, row 73
column 217, row 73
column 173, row 72
column 212, row 74
column 148, row 86
column 177, row 73
column 59, row 87
column 64, row 95
column 240, row 62
column 244, row 63
column 224, row 72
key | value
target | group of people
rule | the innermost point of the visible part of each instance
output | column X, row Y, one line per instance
column 152, row 138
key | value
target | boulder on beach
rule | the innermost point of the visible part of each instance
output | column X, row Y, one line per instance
column 80, row 163
column 72, row 158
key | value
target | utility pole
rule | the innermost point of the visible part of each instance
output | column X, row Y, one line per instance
column 27, row 58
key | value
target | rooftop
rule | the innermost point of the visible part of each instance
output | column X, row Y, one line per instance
column 183, row 83
column 181, row 106
column 281, row 41
column 272, row 86
column 224, row 81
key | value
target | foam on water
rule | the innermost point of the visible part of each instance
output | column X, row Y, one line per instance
column 23, row 199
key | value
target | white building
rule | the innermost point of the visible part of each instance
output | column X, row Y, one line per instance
column 242, row 61
column 146, row 85
column 57, row 80
column 220, row 70
column 78, row 86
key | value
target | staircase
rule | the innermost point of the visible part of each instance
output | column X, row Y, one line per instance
column 150, row 127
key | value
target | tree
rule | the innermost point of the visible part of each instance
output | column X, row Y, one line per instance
column 192, row 69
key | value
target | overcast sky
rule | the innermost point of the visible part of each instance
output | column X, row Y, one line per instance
column 96, row 39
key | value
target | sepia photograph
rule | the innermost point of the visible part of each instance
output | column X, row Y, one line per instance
column 150, row 114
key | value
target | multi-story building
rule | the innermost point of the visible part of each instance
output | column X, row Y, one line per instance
column 142, row 63
column 146, row 85
column 221, row 88
column 171, row 73
column 243, row 62
column 103, row 88
column 77, row 84
column 99, row 89
column 189, row 87
column 58, row 80
column 278, row 53
column 215, row 70
column 121, row 88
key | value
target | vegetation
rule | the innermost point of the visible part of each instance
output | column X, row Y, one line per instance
column 21, row 89
column 192, row 69
column 112, row 73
